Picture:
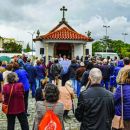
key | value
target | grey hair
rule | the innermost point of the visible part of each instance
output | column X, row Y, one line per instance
column 95, row 76
column 12, row 77
column 68, row 83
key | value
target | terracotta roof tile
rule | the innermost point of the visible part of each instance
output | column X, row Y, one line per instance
column 65, row 34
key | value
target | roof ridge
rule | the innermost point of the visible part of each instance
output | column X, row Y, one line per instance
column 60, row 23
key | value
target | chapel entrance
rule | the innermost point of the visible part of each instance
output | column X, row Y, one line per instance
column 63, row 49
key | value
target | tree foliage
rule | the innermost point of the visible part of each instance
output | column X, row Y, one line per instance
column 109, row 45
column 12, row 47
column 28, row 49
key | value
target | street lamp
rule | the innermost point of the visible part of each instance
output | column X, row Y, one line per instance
column 105, row 26
column 124, row 34
column 32, row 34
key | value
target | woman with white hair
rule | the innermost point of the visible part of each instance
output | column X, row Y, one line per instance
column 66, row 96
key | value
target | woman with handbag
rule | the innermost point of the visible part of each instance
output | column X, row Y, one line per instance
column 13, row 105
column 122, row 101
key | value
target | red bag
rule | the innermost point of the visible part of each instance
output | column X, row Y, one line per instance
column 5, row 106
column 50, row 121
column 1, row 97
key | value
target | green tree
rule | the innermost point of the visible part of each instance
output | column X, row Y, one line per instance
column 117, row 46
column 12, row 47
column 28, row 49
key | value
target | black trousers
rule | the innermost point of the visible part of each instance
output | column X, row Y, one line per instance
column 26, row 94
column 65, row 78
column 22, row 119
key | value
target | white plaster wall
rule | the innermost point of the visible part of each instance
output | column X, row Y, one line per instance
column 50, row 49
column 89, row 46
column 38, row 45
column 78, row 50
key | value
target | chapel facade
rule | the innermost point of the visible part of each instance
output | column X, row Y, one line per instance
column 63, row 40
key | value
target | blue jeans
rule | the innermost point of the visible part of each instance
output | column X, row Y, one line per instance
column 38, row 82
column 74, row 84
column 33, row 88
column 78, row 88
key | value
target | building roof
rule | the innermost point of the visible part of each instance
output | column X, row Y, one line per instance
column 63, row 31
column 60, row 24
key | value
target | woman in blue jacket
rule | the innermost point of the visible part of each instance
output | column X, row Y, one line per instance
column 40, row 73
column 23, row 78
column 126, row 99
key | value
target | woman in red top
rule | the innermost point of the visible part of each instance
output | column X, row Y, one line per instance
column 16, row 107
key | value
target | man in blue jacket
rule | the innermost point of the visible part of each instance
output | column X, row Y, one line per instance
column 32, row 75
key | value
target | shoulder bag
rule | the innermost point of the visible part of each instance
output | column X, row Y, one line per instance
column 117, row 121
column 6, row 106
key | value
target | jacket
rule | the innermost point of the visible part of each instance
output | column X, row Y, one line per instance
column 16, row 104
column 66, row 96
column 72, row 70
column 115, row 73
column 41, row 110
column 95, row 109
column 106, row 71
column 40, row 72
column 118, row 67
column 31, row 72
column 55, row 70
column 23, row 78
column 126, row 101
column 84, row 78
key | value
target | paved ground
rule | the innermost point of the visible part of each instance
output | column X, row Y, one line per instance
column 70, row 124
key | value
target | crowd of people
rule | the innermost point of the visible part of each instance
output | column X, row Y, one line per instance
column 97, row 83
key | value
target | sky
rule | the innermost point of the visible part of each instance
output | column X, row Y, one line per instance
column 18, row 17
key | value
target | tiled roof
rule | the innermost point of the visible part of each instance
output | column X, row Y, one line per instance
column 65, row 34
column 60, row 24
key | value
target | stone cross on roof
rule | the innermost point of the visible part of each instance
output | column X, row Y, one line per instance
column 63, row 9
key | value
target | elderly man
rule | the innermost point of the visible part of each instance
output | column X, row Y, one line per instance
column 95, row 108
column 106, row 73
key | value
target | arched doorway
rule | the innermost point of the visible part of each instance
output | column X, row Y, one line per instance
column 64, row 49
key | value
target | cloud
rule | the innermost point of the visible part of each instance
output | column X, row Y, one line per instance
column 17, row 17
column 118, row 25
column 124, row 3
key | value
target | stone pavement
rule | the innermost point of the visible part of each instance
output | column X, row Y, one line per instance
column 70, row 124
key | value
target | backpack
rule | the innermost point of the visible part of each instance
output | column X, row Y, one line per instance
column 56, row 69
column 50, row 120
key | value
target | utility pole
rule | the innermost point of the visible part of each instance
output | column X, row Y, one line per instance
column 106, row 27
column 124, row 35
column 32, row 34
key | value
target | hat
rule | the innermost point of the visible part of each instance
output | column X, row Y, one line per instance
column 81, row 64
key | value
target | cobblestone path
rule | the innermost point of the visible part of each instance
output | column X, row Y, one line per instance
column 70, row 124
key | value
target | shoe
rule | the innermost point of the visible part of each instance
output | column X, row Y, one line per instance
column 27, row 114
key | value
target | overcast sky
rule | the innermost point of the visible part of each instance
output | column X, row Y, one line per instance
column 17, row 17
